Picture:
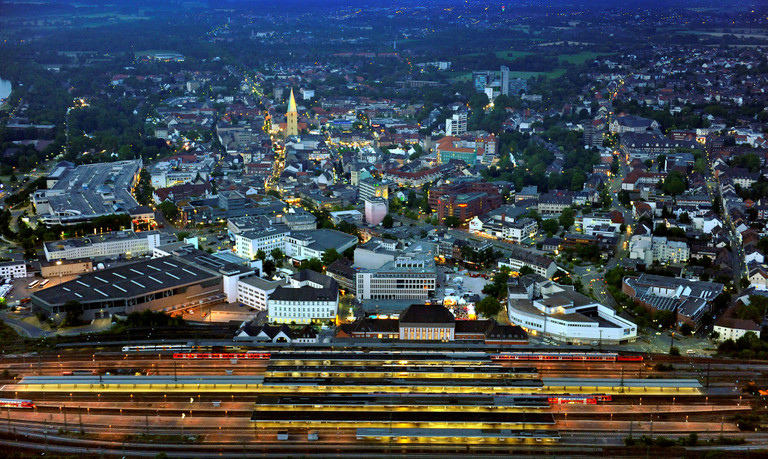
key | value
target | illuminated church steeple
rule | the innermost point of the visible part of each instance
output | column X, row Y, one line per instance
column 292, row 116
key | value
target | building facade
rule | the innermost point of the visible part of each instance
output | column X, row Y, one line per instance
column 118, row 243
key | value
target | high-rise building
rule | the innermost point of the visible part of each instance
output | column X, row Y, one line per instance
column 457, row 124
column 375, row 210
column 292, row 117
column 505, row 80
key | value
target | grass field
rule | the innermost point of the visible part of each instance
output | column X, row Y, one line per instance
column 511, row 55
column 580, row 58
column 556, row 73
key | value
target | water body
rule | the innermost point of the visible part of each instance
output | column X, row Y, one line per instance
column 5, row 89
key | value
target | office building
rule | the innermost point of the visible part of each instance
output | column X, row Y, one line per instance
column 309, row 298
column 544, row 308
column 13, row 269
column 125, row 244
column 407, row 277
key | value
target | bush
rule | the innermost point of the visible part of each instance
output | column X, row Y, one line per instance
column 674, row 350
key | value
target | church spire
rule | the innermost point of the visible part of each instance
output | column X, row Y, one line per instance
column 292, row 103
column 292, row 117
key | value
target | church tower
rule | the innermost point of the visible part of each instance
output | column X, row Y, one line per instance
column 292, row 116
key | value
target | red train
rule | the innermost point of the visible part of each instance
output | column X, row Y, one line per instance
column 15, row 403
column 568, row 356
column 223, row 356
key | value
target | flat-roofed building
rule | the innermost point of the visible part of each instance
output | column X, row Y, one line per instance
column 542, row 307
column 82, row 193
column 159, row 284
column 407, row 277
column 305, row 245
column 254, row 291
column 13, row 269
column 248, row 244
column 60, row 268
column 117, row 243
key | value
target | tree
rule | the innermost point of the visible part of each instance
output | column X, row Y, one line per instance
column 566, row 218
column 72, row 309
column 261, row 255
column 624, row 198
column 525, row 270
column 388, row 221
column 315, row 264
column 268, row 267
column 451, row 221
column 550, row 226
column 686, row 329
column 674, row 184
column 277, row 254
column 169, row 210
column 666, row 319
column 489, row 307
column 329, row 256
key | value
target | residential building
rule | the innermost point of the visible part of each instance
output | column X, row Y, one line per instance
column 502, row 227
column 540, row 264
column 687, row 298
column 733, row 328
column 456, row 125
column 661, row 249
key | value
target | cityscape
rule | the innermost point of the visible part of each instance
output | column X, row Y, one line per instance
column 323, row 228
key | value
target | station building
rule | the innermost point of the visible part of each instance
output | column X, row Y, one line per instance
column 186, row 278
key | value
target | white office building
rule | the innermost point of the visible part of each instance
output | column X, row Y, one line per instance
column 544, row 308
column 254, row 291
column 456, row 125
column 13, row 269
column 118, row 243
column 309, row 298
column 407, row 277
column 248, row 243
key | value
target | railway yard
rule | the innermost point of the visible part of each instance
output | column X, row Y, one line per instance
column 336, row 402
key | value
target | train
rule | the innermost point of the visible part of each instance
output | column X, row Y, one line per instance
column 16, row 403
column 568, row 356
column 584, row 399
column 157, row 348
column 222, row 355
